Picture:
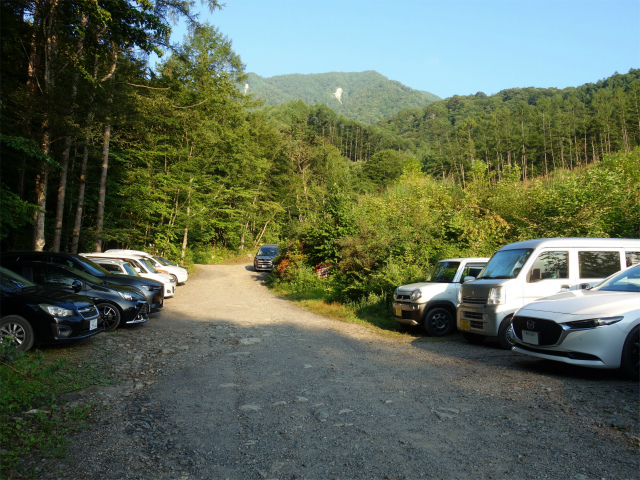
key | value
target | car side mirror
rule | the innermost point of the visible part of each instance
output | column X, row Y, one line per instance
column 76, row 286
column 468, row 278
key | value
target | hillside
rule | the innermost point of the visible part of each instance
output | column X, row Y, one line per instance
column 364, row 96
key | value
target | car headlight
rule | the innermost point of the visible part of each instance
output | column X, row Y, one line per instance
column 126, row 295
column 146, row 287
column 496, row 296
column 395, row 294
column 592, row 323
column 415, row 295
column 55, row 311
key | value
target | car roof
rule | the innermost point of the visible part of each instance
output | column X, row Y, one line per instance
column 575, row 242
column 467, row 259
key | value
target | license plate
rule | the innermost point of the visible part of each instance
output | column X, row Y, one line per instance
column 398, row 311
column 93, row 324
column 465, row 325
column 530, row 337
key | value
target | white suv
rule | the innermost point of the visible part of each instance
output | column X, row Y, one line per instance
column 180, row 274
column 433, row 303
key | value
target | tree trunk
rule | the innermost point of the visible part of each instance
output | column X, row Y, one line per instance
column 75, row 238
column 102, row 192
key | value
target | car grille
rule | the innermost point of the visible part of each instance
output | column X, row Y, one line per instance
column 89, row 311
column 548, row 331
column 474, row 300
column 403, row 296
column 471, row 315
column 264, row 263
column 142, row 314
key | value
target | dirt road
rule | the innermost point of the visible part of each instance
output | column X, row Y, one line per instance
column 231, row 382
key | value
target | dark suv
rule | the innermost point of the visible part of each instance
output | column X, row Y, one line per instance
column 152, row 289
column 264, row 258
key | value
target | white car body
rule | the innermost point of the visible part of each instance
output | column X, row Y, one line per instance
column 143, row 268
column 584, row 327
column 433, row 303
column 180, row 274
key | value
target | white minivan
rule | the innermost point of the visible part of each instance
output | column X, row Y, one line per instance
column 522, row 272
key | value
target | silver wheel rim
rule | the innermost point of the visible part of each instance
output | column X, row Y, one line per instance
column 109, row 315
column 13, row 332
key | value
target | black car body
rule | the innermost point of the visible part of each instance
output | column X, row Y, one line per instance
column 152, row 289
column 264, row 258
column 30, row 314
column 117, row 304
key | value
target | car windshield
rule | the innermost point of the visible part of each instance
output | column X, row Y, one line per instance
column 148, row 264
column 91, row 267
column 85, row 276
column 268, row 251
column 443, row 272
column 163, row 261
column 12, row 282
column 625, row 281
column 129, row 269
column 506, row 263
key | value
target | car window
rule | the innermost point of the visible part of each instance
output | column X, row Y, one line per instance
column 443, row 272
column 111, row 268
column 12, row 282
column 268, row 251
column 472, row 270
column 149, row 265
column 53, row 277
column 506, row 263
column 598, row 264
column 549, row 265
column 130, row 270
column 632, row 258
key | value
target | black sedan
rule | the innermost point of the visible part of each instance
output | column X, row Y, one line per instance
column 152, row 289
column 117, row 304
column 30, row 314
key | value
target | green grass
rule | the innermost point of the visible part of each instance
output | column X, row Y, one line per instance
column 33, row 418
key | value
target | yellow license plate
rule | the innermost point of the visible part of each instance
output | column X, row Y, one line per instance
column 465, row 325
column 398, row 311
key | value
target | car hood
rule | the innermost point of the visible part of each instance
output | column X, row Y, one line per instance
column 47, row 295
column 422, row 286
column 584, row 302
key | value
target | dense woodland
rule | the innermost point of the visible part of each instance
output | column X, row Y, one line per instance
column 100, row 151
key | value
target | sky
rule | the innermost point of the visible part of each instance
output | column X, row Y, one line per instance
column 445, row 47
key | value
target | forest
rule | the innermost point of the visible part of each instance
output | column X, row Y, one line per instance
column 101, row 150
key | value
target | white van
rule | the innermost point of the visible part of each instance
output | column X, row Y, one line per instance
column 522, row 272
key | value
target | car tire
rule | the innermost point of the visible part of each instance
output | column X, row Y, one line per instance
column 474, row 338
column 630, row 361
column 438, row 322
column 505, row 334
column 17, row 329
column 109, row 316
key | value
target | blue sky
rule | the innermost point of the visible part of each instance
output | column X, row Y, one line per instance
column 446, row 47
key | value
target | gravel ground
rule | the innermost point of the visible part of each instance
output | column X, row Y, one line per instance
column 231, row 382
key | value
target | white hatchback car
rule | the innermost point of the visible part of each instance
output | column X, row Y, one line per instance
column 180, row 274
column 597, row 328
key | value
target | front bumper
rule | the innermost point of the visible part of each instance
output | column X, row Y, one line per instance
column 406, row 313
column 480, row 319
column 137, row 313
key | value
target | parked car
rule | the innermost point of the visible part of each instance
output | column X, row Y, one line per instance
column 152, row 289
column 117, row 267
column 32, row 315
column 117, row 304
column 522, row 272
column 433, row 303
column 180, row 274
column 597, row 328
column 264, row 258
column 141, row 265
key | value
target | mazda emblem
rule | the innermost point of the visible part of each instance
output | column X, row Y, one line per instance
column 531, row 325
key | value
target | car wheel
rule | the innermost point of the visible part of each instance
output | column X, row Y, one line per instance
column 17, row 330
column 438, row 322
column 505, row 334
column 630, row 361
column 109, row 317
column 474, row 338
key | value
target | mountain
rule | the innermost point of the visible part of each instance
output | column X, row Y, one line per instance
column 361, row 96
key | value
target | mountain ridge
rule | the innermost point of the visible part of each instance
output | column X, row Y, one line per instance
column 366, row 97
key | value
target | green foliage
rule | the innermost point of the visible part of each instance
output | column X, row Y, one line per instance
column 33, row 418
column 366, row 97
